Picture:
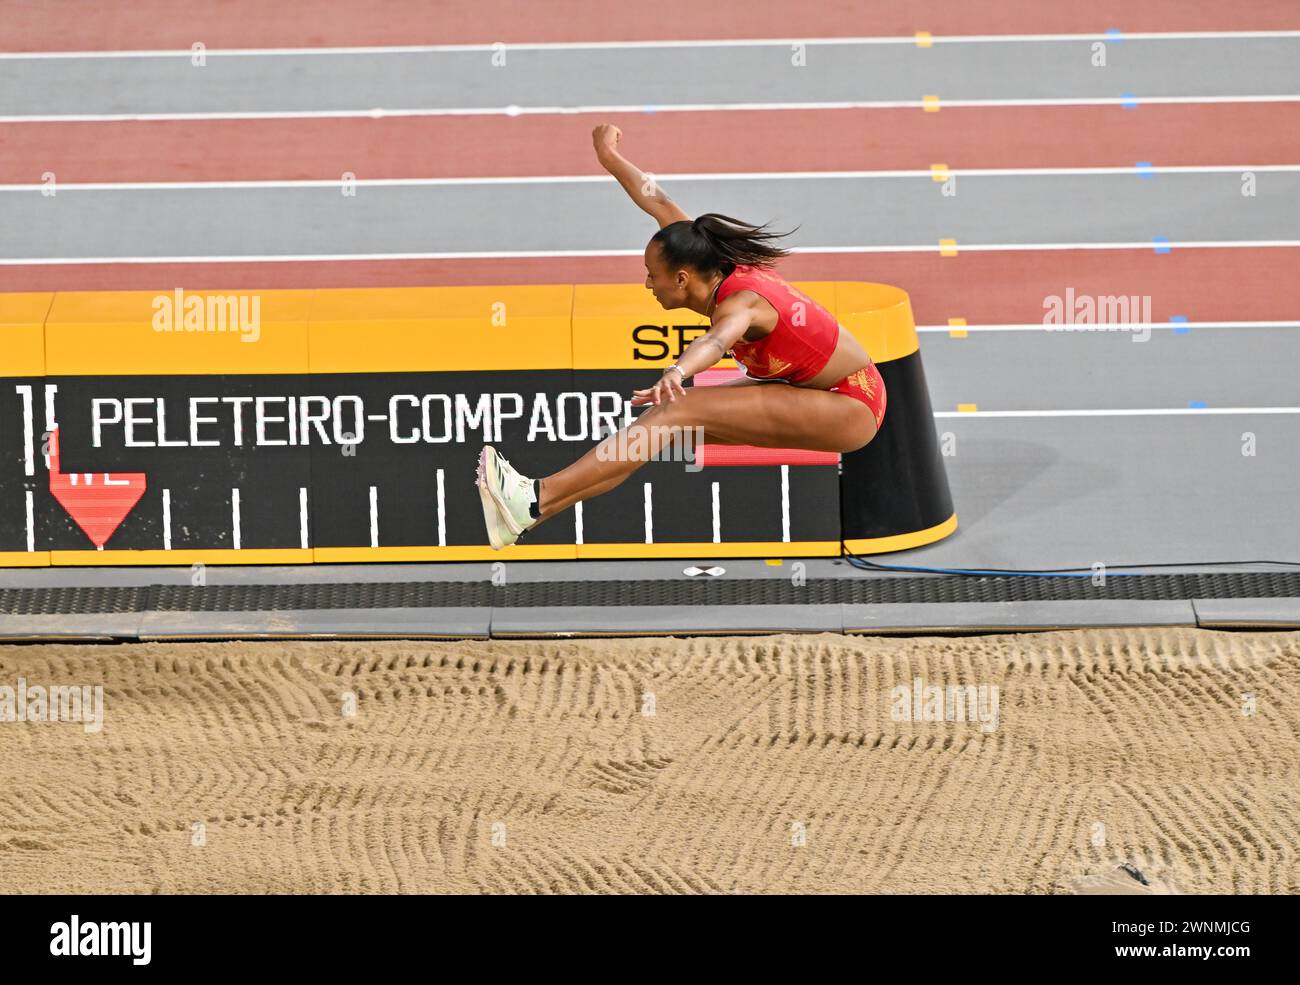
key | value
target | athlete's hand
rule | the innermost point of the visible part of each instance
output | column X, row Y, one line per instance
column 666, row 390
column 605, row 137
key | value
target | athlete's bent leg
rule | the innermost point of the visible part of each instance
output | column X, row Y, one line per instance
column 773, row 415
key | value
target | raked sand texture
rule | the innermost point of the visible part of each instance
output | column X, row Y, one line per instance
column 700, row 765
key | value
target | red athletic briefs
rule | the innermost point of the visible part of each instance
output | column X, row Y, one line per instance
column 867, row 386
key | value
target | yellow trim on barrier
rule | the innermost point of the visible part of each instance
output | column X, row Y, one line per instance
column 880, row 317
column 756, row 548
column 24, row 559
column 467, row 552
column 474, row 329
column 463, row 552
column 25, row 307
column 22, row 333
column 374, row 330
column 903, row 542
column 157, row 333
column 183, row 557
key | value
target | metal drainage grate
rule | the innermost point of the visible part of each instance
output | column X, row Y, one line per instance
column 864, row 590
column 67, row 601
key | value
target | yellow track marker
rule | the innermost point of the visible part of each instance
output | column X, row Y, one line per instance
column 775, row 562
column 967, row 408
column 923, row 39
column 957, row 328
column 939, row 172
column 947, row 247
column 930, row 104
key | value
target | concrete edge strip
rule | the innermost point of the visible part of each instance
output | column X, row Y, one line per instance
column 608, row 621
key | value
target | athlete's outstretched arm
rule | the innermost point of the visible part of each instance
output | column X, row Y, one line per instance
column 730, row 321
column 641, row 187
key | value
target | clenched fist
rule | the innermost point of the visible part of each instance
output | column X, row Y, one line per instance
column 605, row 137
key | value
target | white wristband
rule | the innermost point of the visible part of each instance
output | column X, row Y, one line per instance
column 679, row 369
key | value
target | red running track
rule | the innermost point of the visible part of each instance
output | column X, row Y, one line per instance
column 1239, row 284
column 757, row 141
column 1204, row 285
column 167, row 24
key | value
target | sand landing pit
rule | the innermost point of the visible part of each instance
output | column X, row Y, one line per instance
column 786, row 763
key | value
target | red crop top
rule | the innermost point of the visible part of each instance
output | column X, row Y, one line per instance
column 805, row 335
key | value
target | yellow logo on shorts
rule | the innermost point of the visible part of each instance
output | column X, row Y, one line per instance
column 863, row 381
column 775, row 367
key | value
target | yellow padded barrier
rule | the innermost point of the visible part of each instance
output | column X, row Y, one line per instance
column 180, row 333
column 474, row 329
column 484, row 329
column 880, row 317
column 22, row 333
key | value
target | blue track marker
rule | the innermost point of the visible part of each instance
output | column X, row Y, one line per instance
column 1197, row 405
column 1128, row 100
column 1161, row 244
column 1181, row 322
column 1115, row 34
column 1145, row 169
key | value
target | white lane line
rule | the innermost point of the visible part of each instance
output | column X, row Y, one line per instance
column 717, row 515
column 374, row 516
column 303, row 539
column 29, row 429
column 1119, row 412
column 570, row 254
column 167, row 519
column 578, row 179
column 512, row 110
column 442, row 509
column 577, row 523
column 50, row 424
column 31, row 520
column 649, row 516
column 1103, row 326
column 785, row 503
column 235, row 539
column 857, row 40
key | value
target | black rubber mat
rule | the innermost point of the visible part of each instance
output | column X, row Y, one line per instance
column 722, row 592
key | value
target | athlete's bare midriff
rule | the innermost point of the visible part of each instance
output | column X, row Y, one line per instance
column 848, row 357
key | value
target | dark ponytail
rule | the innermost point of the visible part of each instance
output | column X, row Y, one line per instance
column 715, row 243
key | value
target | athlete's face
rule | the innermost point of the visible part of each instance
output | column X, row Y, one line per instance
column 667, row 285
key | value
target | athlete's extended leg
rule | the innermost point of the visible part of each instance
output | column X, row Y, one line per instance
column 773, row 415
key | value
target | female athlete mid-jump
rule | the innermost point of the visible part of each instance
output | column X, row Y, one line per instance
column 822, row 391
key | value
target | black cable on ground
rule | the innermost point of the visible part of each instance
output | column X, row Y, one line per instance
column 865, row 565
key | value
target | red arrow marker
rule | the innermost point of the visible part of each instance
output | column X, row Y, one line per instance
column 98, row 501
